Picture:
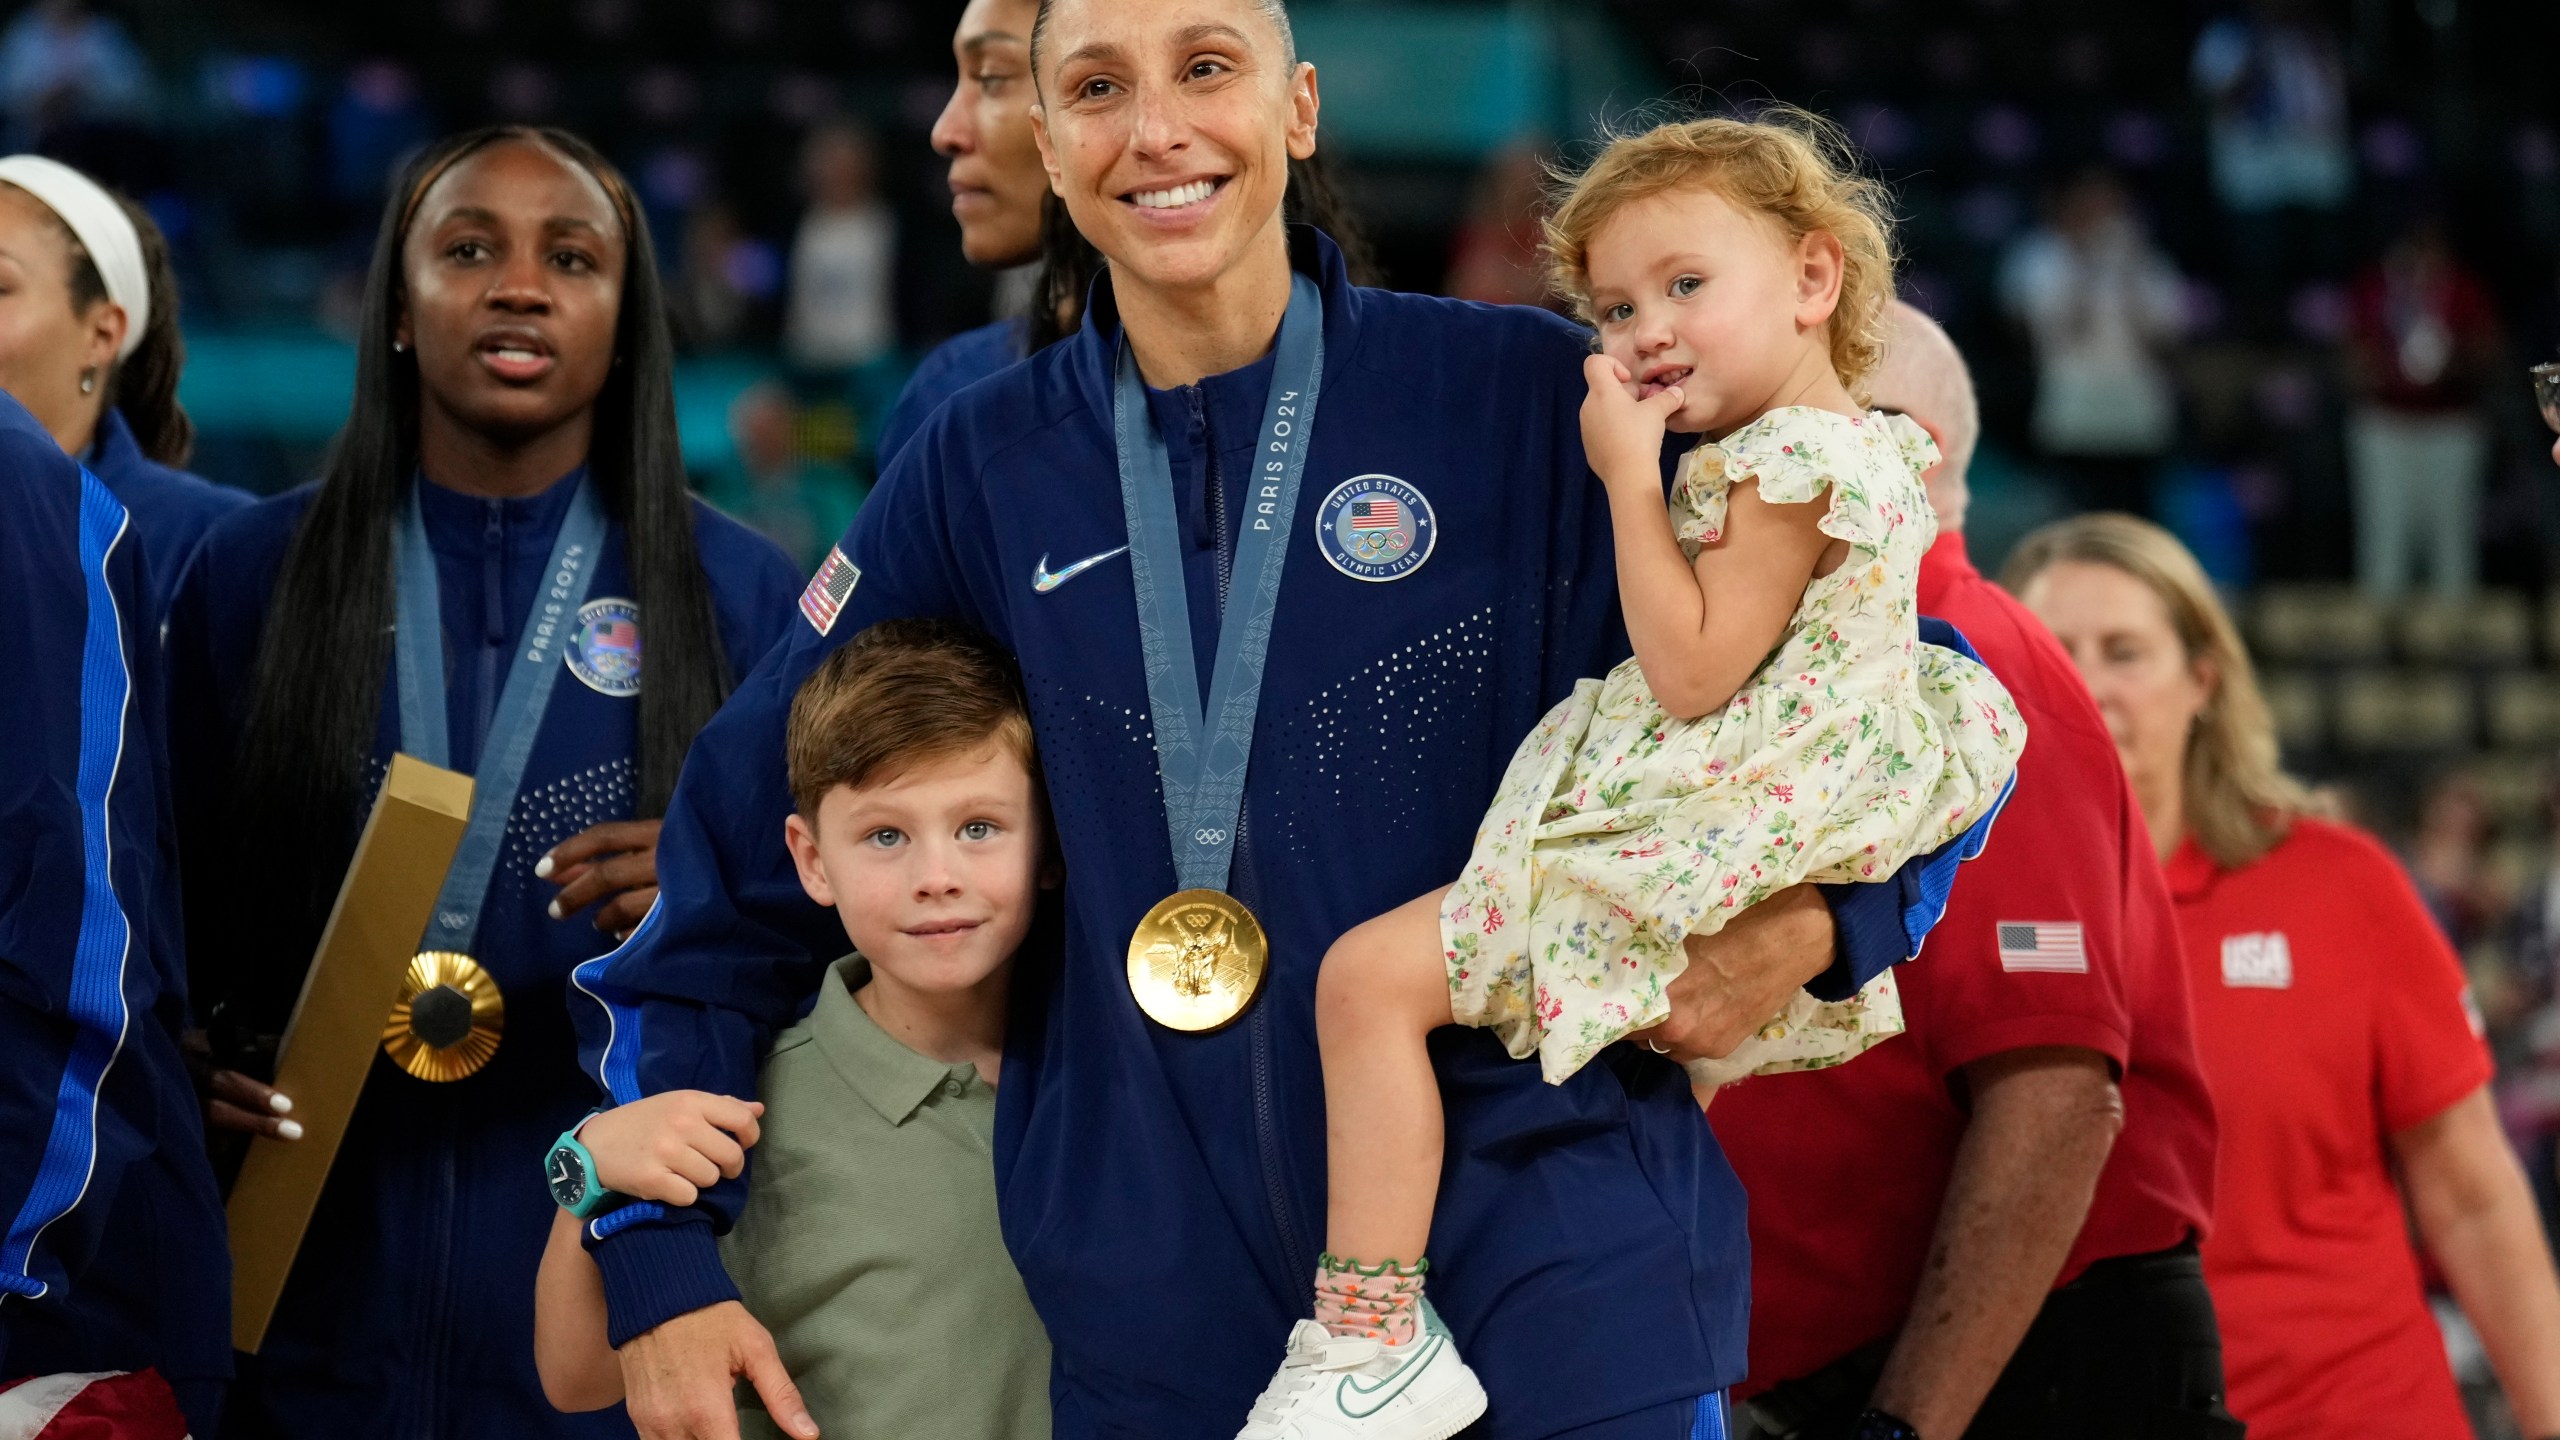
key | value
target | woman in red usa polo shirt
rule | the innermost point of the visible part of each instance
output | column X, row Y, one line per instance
column 2334, row 1026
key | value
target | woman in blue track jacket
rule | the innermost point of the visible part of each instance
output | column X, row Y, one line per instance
column 114, row 1255
column 1162, row 1191
column 500, row 572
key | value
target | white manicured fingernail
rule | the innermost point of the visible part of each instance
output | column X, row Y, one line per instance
column 554, row 908
column 289, row 1129
column 542, row 868
column 280, row 1103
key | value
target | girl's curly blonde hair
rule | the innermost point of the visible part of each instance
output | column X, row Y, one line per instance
column 1789, row 164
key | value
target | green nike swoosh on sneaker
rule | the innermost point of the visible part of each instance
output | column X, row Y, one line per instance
column 1393, row 1384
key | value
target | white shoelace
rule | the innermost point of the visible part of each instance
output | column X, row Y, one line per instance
column 1302, row 1371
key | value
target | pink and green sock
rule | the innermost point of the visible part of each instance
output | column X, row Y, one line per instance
column 1376, row 1302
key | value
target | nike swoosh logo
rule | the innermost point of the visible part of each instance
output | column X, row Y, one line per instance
column 1393, row 1385
column 1044, row 579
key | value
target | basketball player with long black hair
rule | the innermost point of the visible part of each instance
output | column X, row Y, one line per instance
column 500, row 572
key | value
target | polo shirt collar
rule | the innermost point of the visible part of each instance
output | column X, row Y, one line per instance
column 890, row 1078
column 2190, row 872
column 1945, row 566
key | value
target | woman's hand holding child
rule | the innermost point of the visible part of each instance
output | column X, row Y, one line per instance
column 672, row 1146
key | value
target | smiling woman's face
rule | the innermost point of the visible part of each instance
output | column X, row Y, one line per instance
column 1168, row 128
column 513, row 269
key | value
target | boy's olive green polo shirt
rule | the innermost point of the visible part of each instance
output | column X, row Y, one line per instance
column 869, row 1244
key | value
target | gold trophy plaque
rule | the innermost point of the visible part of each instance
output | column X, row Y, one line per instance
column 382, row 908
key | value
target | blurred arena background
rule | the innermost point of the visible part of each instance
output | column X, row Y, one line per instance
column 2174, row 239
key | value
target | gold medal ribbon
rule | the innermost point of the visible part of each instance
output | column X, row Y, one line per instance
column 1198, row 958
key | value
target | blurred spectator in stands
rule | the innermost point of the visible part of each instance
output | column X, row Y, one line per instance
column 842, row 261
column 1495, row 255
column 767, row 483
column 377, row 122
column 722, row 282
column 2449, row 861
column 2101, row 304
column 2423, row 341
column 2277, row 88
column 61, row 63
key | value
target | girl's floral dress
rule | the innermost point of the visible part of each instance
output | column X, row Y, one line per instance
column 1619, row 830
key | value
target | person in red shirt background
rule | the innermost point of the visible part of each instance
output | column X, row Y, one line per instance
column 2001, row 1216
column 2335, row 1027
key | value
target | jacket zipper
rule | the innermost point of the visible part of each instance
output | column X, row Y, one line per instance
column 440, row 1327
column 1217, row 496
column 435, row 1364
column 1266, row 1123
column 494, row 639
column 1266, row 1120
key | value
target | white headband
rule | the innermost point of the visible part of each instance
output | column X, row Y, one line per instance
column 102, row 228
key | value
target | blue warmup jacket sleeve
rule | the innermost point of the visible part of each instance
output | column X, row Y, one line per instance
column 733, row 949
column 66, row 931
column 1881, row 925
column 97, row 1129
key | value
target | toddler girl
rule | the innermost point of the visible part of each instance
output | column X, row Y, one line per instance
column 1779, row 723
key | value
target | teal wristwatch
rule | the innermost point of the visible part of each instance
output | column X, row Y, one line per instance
column 571, row 1173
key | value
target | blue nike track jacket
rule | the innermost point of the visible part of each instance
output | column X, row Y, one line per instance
column 114, row 1255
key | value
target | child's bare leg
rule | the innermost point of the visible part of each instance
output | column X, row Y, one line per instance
column 1383, row 990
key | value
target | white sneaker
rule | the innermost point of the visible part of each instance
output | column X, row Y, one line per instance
column 1330, row 1388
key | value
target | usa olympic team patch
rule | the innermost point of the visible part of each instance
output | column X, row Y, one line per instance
column 604, row 649
column 1376, row 527
column 829, row 589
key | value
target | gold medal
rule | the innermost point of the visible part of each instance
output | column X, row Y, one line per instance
column 1197, row 960
column 449, row 1019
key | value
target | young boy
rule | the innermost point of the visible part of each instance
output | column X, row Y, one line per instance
column 870, row 1249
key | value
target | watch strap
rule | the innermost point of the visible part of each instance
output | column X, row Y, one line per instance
column 597, row 1199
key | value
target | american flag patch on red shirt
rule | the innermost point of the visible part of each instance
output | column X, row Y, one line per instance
column 828, row 590
column 2050, row 947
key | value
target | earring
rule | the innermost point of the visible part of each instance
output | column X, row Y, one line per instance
column 89, row 381
column 399, row 347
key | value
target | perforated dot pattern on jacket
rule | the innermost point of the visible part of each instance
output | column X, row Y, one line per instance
column 548, row 814
column 1058, row 711
column 1357, row 737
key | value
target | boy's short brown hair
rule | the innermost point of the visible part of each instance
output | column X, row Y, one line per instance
column 902, row 692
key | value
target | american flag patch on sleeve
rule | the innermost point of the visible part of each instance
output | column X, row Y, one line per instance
column 2047, row 947
column 828, row 590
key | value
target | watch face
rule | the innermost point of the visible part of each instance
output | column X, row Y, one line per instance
column 568, row 1177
